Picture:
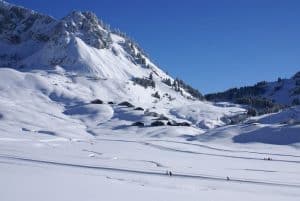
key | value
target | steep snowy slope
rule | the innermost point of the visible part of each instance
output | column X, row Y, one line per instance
column 79, row 43
column 52, row 70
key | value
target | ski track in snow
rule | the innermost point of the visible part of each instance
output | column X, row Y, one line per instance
column 202, row 153
column 228, row 150
column 146, row 161
column 155, row 173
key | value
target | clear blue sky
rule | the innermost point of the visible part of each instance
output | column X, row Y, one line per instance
column 212, row 44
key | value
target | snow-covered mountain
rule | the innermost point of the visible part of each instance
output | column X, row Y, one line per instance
column 54, row 69
column 280, row 98
column 86, row 115
column 80, row 43
column 283, row 91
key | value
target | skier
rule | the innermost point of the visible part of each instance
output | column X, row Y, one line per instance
column 169, row 173
column 227, row 178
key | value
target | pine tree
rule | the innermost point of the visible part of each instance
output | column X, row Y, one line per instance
column 151, row 76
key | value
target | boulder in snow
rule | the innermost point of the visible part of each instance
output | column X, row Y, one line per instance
column 97, row 101
column 139, row 109
column 157, row 123
column 138, row 123
column 127, row 104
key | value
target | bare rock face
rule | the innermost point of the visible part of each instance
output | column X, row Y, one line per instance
column 26, row 32
column 18, row 24
column 87, row 27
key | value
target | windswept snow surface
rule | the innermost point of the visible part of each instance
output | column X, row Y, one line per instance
column 131, row 167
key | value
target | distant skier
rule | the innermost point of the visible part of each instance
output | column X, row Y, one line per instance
column 227, row 178
column 169, row 173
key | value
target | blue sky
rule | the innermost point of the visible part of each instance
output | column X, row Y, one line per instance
column 213, row 45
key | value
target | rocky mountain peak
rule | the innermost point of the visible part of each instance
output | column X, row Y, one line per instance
column 18, row 24
column 86, row 26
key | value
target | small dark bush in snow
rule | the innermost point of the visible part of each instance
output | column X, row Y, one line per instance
column 97, row 101
column 110, row 103
column 138, row 123
column 163, row 118
column 156, row 95
column 170, row 123
column 296, row 101
column 153, row 114
column 174, row 123
column 241, row 117
column 167, row 81
column 145, row 82
column 184, row 124
column 127, row 104
column 157, row 123
column 139, row 109
column 252, row 112
column 151, row 76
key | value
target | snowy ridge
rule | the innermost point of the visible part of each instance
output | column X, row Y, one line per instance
column 282, row 91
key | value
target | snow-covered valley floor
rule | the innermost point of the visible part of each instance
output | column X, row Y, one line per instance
column 127, row 167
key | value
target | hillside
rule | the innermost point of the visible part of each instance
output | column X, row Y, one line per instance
column 56, row 68
column 264, row 96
